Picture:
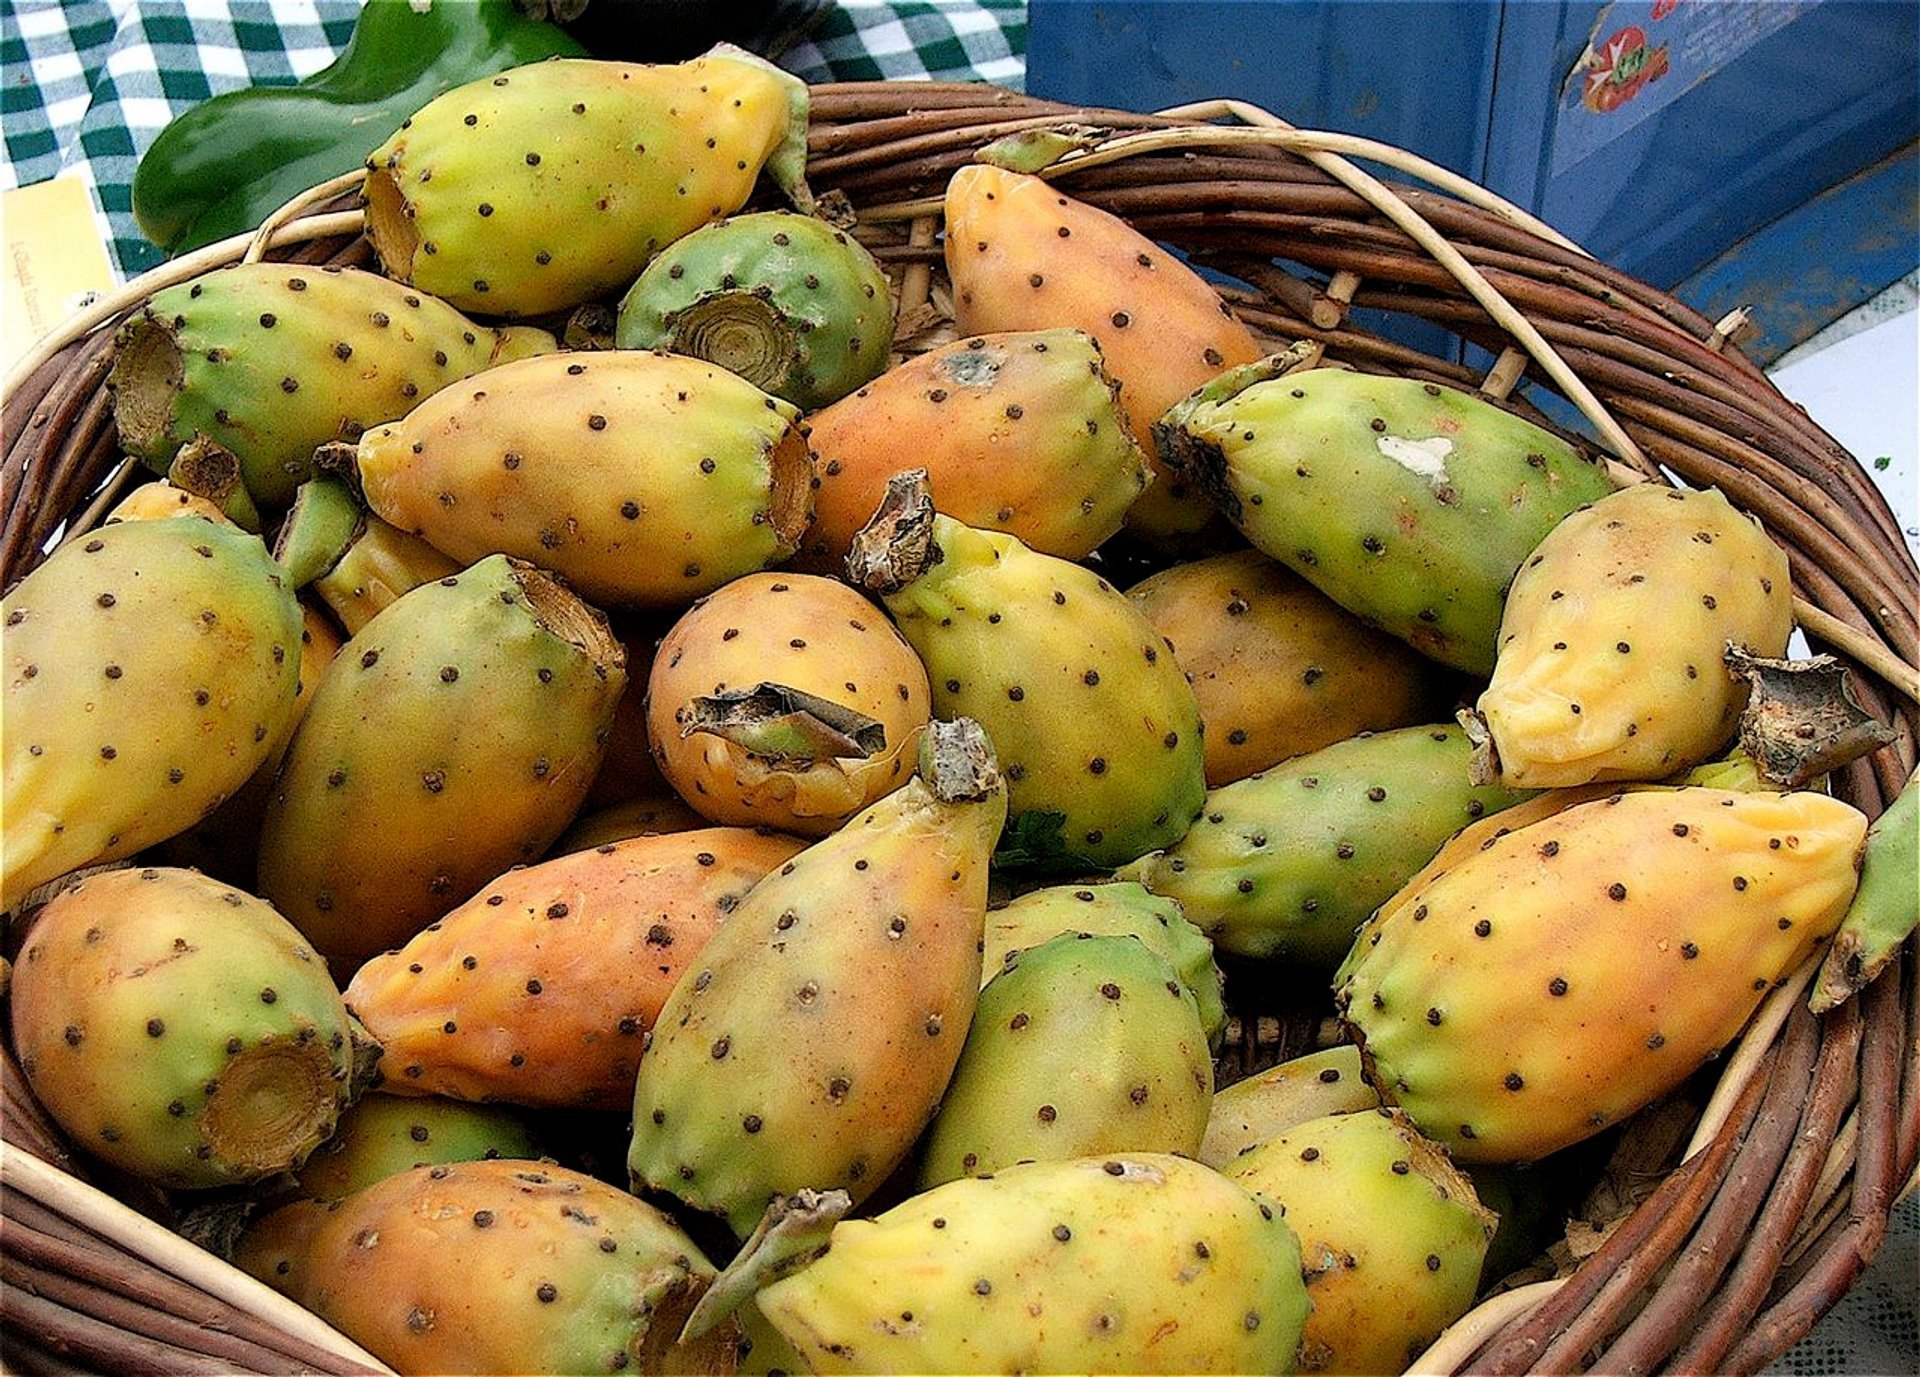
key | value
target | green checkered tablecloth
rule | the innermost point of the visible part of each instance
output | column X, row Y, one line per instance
column 88, row 84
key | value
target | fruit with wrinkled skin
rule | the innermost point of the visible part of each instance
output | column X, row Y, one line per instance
column 1278, row 668
column 1604, row 953
column 1025, row 256
column 1392, row 1236
column 1263, row 1106
column 797, row 631
column 640, row 478
column 557, row 1272
column 1286, row 864
column 1409, row 504
column 554, row 183
column 149, row 667
column 1079, row 1046
column 270, row 360
column 793, row 305
column 1611, row 649
column 1135, row 1262
column 809, row 1044
column 382, row 1135
column 1110, row 909
column 180, row 1029
column 453, row 737
column 1019, row 432
column 542, row 988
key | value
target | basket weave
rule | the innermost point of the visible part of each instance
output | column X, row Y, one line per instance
column 1814, row 1130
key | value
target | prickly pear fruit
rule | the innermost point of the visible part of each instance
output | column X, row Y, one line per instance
column 180, row 1029
column 551, row 184
column 1408, row 503
column 1604, row 953
column 149, row 666
column 1136, row 1262
column 651, row 815
column 1249, row 1112
column 381, row 566
column 637, row 477
column 383, row 1135
column 541, row 989
column 1287, row 863
column 811, row 1041
column 453, row 737
column 1882, row 914
column 793, row 305
column 1392, row 1236
column 270, row 360
column 731, row 736
column 1019, row 432
column 1278, row 668
column 1025, row 256
column 1081, row 1045
column 627, row 771
column 273, row 1247
column 1610, row 653
column 557, row 1272
column 1095, row 726
column 158, row 500
column 1111, row 909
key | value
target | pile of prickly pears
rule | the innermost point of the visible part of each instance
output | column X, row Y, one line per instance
column 684, row 856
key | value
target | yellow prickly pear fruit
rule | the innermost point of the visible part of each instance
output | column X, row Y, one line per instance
column 1249, row 1112
column 1610, row 663
column 1572, row 971
column 158, row 500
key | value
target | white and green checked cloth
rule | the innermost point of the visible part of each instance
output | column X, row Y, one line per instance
column 88, row 84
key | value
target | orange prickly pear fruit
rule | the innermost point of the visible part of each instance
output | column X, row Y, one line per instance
column 1026, row 256
column 650, row 815
column 1610, row 664
column 1577, row 969
column 541, row 989
column 159, row 500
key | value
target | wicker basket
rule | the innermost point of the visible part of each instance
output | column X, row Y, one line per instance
column 1766, row 1216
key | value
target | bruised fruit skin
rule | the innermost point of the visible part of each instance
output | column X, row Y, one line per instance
column 1249, row 1112
column 149, row 668
column 1019, row 432
column 1611, row 649
column 1603, row 952
column 1081, row 1045
column 1025, row 256
column 1133, row 1262
column 179, row 1029
column 640, row 478
column 453, row 737
column 541, row 989
column 269, row 360
column 1409, row 504
column 1392, row 1236
column 809, row 1044
column 554, row 183
column 1279, row 669
column 799, row 631
column 557, row 1272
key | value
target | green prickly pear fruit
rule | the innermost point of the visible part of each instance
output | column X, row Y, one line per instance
column 1611, row 651
column 793, row 305
column 1112, row 909
column 787, row 701
column 1135, row 1262
column 1249, row 1112
column 812, row 1040
column 180, row 1029
column 557, row 1272
column 382, row 1135
column 1024, row 255
column 1095, row 726
column 1019, row 432
column 1408, row 503
column 638, row 477
column 1079, row 1046
column 271, row 360
column 1577, row 969
column 381, row 566
column 1278, row 668
column 1287, row 864
column 1392, row 1235
column 1884, row 908
column 542, row 988
column 453, row 737
column 552, row 184
column 149, row 666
